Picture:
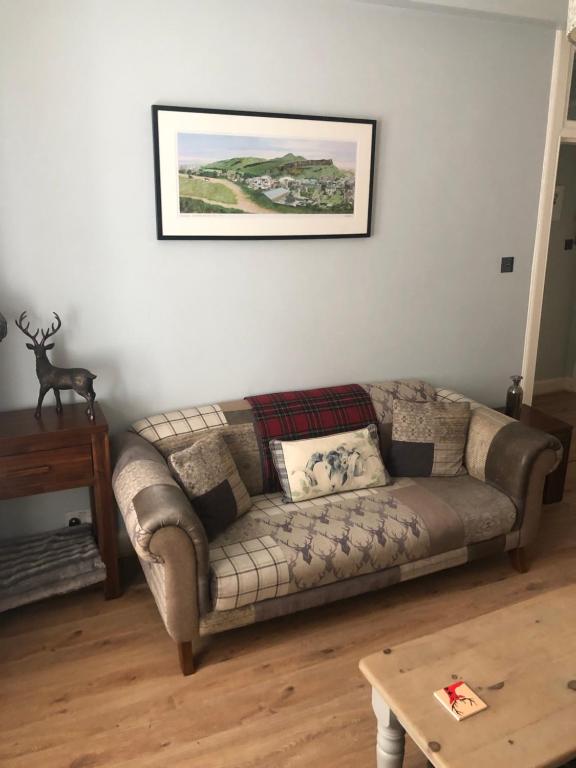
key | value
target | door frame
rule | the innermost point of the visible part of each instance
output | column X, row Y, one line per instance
column 558, row 130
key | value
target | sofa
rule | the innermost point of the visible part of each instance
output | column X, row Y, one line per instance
column 279, row 557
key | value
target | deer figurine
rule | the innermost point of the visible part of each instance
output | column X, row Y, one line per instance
column 51, row 377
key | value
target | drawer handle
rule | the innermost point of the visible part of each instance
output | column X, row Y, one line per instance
column 30, row 471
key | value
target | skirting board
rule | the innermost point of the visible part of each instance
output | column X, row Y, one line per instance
column 563, row 384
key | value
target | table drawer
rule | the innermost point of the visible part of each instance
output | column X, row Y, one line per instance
column 42, row 471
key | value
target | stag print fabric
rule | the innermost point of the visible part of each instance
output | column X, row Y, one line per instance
column 321, row 466
column 328, row 539
column 324, row 541
column 428, row 438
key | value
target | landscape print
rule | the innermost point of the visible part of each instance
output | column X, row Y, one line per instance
column 219, row 173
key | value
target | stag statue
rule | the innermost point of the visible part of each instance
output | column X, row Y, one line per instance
column 50, row 377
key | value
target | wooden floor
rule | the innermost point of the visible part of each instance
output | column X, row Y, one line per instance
column 88, row 683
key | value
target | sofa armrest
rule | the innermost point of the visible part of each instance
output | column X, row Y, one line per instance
column 512, row 457
column 150, row 499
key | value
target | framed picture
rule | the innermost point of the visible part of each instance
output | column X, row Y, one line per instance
column 232, row 175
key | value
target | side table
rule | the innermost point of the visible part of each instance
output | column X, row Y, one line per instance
column 58, row 452
column 532, row 417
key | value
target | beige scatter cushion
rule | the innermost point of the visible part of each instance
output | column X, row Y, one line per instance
column 207, row 473
column 428, row 439
column 319, row 466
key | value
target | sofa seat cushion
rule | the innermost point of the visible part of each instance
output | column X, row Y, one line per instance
column 280, row 548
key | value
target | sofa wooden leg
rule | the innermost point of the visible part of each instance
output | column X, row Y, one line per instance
column 519, row 559
column 186, row 658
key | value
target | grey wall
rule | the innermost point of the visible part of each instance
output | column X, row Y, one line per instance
column 557, row 341
column 165, row 324
column 551, row 11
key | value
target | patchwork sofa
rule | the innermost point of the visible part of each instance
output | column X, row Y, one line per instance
column 279, row 558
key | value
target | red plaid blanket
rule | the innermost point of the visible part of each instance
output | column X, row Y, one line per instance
column 308, row 413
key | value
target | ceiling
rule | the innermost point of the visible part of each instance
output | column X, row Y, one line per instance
column 551, row 12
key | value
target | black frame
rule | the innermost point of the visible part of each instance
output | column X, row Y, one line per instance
column 156, row 108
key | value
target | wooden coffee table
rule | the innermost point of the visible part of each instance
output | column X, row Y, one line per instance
column 520, row 660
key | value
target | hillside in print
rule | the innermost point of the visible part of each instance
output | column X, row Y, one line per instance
column 244, row 174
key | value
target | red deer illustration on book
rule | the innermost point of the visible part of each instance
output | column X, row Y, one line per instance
column 455, row 698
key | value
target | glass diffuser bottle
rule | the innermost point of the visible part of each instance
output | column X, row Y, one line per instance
column 514, row 397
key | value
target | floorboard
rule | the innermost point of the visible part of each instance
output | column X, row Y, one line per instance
column 88, row 683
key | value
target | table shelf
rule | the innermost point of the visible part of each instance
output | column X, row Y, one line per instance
column 47, row 564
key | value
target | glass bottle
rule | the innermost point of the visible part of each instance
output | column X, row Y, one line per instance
column 514, row 397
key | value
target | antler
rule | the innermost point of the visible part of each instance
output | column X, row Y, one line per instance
column 52, row 330
column 24, row 328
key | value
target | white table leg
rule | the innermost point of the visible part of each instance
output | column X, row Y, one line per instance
column 390, row 738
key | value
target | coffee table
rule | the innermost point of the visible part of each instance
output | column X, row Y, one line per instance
column 520, row 660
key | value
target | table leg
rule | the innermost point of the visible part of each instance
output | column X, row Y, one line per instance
column 390, row 738
column 103, row 514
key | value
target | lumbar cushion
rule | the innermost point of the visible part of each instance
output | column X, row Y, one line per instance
column 320, row 466
column 207, row 473
column 428, row 438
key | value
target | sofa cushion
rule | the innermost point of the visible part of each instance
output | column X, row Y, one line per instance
column 307, row 413
column 359, row 532
column 428, row 438
column 320, row 466
column 174, row 430
column 208, row 475
column 385, row 393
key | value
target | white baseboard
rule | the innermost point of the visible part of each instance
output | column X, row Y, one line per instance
column 563, row 384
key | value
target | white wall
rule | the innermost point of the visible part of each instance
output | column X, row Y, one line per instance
column 461, row 104
column 556, row 344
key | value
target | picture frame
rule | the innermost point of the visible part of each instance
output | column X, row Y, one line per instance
column 292, row 176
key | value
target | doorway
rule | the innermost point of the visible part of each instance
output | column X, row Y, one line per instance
column 556, row 355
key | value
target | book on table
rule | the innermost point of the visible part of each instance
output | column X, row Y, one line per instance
column 460, row 700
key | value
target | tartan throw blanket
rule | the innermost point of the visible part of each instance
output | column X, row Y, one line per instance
column 307, row 413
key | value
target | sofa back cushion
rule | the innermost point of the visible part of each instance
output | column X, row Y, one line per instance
column 305, row 414
column 174, row 430
column 428, row 439
column 207, row 473
column 320, row 466
column 384, row 394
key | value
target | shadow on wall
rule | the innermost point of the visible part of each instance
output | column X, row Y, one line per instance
column 8, row 382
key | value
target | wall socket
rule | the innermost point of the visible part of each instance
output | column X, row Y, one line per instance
column 507, row 264
column 84, row 515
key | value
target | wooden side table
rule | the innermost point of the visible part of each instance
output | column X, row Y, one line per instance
column 59, row 452
column 532, row 417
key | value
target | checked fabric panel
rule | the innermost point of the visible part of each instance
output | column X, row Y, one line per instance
column 247, row 572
